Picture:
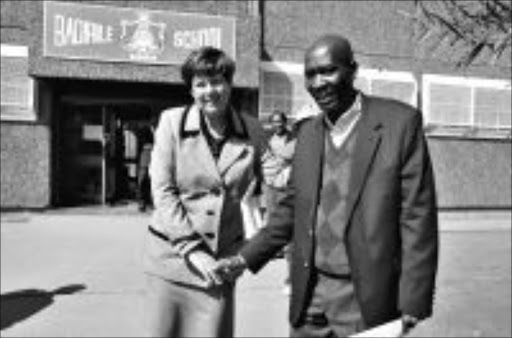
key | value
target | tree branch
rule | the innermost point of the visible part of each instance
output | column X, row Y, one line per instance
column 478, row 26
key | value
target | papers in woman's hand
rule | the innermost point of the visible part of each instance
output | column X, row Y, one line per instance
column 389, row 329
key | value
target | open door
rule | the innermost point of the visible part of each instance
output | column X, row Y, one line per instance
column 81, row 155
column 98, row 151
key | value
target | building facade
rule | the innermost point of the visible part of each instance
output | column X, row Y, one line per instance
column 466, row 112
column 80, row 78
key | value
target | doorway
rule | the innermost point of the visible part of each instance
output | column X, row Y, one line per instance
column 99, row 148
column 96, row 136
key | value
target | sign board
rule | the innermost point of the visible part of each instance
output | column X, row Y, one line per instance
column 105, row 33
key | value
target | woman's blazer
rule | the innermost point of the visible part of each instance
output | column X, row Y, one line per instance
column 197, row 198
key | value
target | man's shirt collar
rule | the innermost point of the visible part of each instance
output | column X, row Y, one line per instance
column 347, row 117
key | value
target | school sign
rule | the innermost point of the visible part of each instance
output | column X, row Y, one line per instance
column 105, row 33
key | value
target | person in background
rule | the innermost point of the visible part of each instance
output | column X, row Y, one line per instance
column 205, row 157
column 145, row 139
column 360, row 209
column 276, row 169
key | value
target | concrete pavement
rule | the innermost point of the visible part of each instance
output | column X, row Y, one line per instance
column 76, row 273
column 94, row 259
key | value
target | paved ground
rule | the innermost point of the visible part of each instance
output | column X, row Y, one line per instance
column 76, row 273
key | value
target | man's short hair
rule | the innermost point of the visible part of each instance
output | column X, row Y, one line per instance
column 207, row 61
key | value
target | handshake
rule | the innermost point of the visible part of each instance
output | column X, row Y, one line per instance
column 217, row 272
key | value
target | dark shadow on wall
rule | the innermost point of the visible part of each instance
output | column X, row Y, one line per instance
column 19, row 305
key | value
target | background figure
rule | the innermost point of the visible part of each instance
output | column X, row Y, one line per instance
column 114, row 150
column 360, row 208
column 204, row 159
column 145, row 139
column 276, row 170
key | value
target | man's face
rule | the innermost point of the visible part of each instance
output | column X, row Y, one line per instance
column 326, row 79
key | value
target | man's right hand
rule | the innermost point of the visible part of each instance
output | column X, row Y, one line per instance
column 206, row 265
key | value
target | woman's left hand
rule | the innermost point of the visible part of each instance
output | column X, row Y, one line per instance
column 206, row 266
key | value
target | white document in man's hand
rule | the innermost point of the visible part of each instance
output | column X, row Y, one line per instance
column 251, row 211
column 389, row 329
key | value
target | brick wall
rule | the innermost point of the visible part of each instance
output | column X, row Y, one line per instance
column 25, row 158
column 472, row 173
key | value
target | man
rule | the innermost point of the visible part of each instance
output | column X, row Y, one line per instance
column 361, row 208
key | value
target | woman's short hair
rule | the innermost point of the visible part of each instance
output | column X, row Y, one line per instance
column 207, row 61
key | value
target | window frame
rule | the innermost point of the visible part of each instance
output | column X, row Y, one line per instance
column 472, row 128
column 28, row 108
column 286, row 68
column 297, row 69
column 373, row 74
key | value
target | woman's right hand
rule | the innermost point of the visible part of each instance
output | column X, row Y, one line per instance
column 205, row 264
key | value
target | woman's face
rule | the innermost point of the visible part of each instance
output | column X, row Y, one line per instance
column 211, row 93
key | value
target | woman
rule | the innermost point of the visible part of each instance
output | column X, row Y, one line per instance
column 204, row 158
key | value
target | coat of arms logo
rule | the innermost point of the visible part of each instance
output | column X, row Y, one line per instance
column 142, row 38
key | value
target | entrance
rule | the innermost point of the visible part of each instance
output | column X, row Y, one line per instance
column 97, row 132
column 99, row 149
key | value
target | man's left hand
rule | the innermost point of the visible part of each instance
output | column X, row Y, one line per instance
column 408, row 323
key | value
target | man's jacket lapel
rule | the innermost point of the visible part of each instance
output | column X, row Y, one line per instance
column 367, row 143
column 311, row 180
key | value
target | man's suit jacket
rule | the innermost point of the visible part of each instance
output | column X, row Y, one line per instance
column 392, row 232
column 193, row 193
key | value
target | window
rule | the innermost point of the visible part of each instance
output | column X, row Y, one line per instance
column 492, row 108
column 401, row 86
column 468, row 105
column 17, row 94
column 283, row 88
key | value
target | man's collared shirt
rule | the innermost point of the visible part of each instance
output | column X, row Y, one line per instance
column 341, row 129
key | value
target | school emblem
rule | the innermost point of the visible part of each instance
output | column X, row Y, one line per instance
column 143, row 39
